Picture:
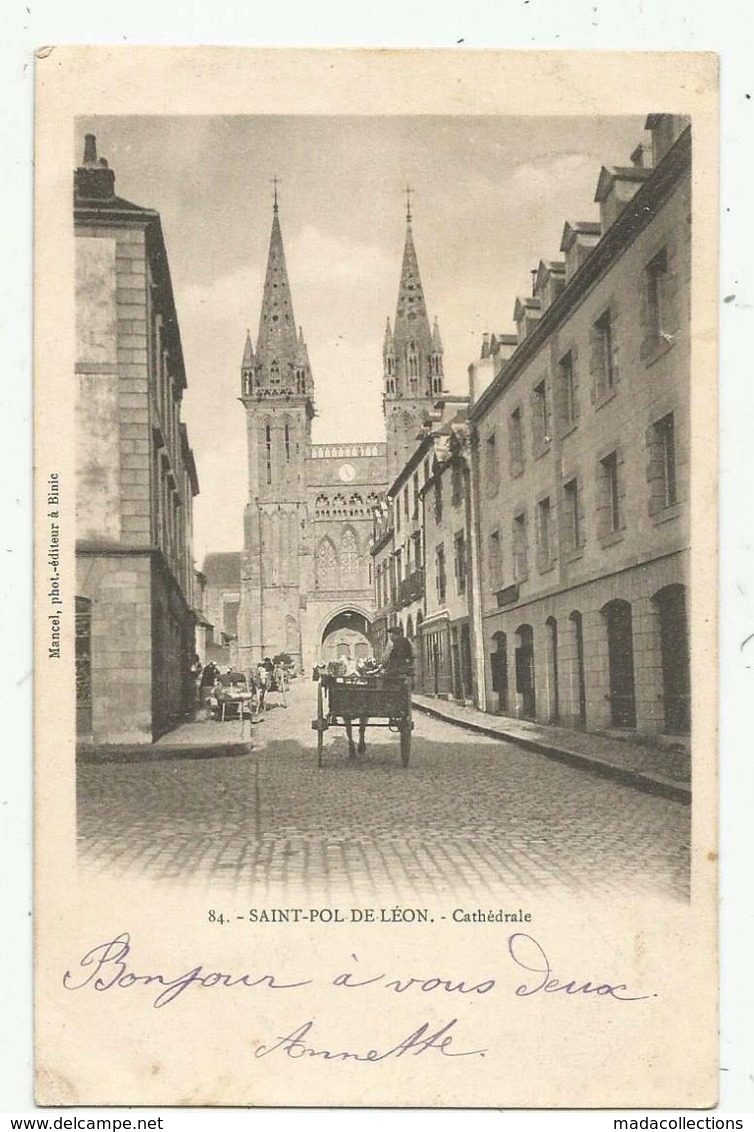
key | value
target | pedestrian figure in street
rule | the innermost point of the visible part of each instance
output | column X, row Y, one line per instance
column 279, row 682
column 195, row 672
column 261, row 684
column 210, row 675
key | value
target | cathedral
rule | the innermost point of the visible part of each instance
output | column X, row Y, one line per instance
column 306, row 567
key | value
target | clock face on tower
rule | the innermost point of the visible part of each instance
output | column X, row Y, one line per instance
column 347, row 472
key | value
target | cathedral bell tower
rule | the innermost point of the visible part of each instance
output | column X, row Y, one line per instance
column 277, row 393
column 412, row 359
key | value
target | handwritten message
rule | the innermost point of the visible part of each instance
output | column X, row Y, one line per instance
column 526, row 970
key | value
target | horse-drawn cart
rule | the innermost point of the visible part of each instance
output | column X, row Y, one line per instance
column 374, row 701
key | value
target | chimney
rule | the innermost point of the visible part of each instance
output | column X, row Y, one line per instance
column 93, row 180
column 637, row 157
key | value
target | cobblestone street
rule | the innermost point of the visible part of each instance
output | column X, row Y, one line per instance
column 472, row 818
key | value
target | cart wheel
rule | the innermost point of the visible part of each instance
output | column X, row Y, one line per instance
column 405, row 743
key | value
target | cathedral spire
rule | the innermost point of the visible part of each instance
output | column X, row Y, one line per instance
column 277, row 341
column 412, row 333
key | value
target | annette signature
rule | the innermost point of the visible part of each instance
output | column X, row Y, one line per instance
column 415, row 1044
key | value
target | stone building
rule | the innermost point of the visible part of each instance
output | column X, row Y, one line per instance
column 398, row 551
column 222, row 599
column 306, row 568
column 135, row 472
column 581, row 466
column 445, row 645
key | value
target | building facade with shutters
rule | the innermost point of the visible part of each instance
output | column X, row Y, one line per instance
column 445, row 645
column 581, row 466
column 135, row 473
column 307, row 581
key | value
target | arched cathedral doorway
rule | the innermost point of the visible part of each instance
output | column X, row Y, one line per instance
column 347, row 635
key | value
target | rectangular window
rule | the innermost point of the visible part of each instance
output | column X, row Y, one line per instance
column 663, row 473
column 611, row 493
column 268, row 451
column 405, row 502
column 656, row 273
column 416, row 494
column 604, row 360
column 572, row 517
column 438, row 497
column 399, row 566
column 541, row 424
column 495, row 562
column 567, row 384
column 545, row 541
column 459, row 547
column 516, row 441
column 666, row 434
column 520, row 549
column 440, row 578
column 287, row 442
column 396, row 505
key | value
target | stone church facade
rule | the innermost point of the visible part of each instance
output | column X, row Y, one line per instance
column 306, row 567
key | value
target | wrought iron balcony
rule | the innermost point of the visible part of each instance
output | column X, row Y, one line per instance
column 410, row 589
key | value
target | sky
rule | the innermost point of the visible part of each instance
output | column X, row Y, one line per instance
column 490, row 198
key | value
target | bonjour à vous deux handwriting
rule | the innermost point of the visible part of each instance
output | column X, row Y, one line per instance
column 107, row 968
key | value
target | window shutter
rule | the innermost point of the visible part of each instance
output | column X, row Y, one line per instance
column 622, row 484
column 594, row 363
column 670, row 317
column 616, row 339
column 642, row 306
column 654, row 471
column 575, row 370
column 536, row 427
column 601, row 513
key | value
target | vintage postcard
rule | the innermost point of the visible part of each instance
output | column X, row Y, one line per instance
column 376, row 583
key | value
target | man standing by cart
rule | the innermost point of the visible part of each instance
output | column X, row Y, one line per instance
column 397, row 666
column 398, row 658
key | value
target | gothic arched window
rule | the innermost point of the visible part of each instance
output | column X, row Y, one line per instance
column 349, row 558
column 327, row 566
column 355, row 506
column 339, row 505
column 274, row 373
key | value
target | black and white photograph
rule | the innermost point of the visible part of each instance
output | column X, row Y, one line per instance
column 372, row 581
